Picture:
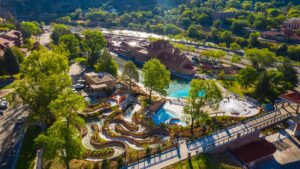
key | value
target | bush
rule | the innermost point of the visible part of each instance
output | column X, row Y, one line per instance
column 82, row 61
column 120, row 162
column 105, row 164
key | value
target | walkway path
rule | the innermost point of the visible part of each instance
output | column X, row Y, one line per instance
column 214, row 140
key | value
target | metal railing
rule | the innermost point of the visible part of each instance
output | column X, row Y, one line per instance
column 219, row 142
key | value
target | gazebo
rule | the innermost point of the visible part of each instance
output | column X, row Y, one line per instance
column 291, row 100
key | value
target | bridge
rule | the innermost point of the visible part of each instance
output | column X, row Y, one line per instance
column 232, row 137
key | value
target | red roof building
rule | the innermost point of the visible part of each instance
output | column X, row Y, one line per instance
column 292, row 24
column 256, row 152
column 10, row 39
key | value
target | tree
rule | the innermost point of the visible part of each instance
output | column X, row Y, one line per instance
column 11, row 62
column 71, row 44
column 55, row 143
column 120, row 162
column 30, row 28
column 260, row 58
column 45, row 76
column 253, row 40
column 59, row 30
column 105, row 164
column 106, row 64
column 263, row 87
column 17, row 52
column 64, row 131
column 93, row 44
column 172, row 29
column 202, row 93
column 235, row 59
column 290, row 74
column 247, row 76
column 213, row 54
column 235, row 46
column 294, row 52
column 156, row 77
column 130, row 73
column 194, row 32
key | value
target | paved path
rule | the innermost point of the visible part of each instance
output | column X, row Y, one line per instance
column 214, row 140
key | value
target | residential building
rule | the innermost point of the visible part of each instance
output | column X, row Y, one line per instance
column 99, row 82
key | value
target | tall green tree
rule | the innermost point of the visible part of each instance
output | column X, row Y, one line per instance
column 45, row 76
column 93, row 44
column 106, row 64
column 130, row 73
column 202, row 93
column 58, row 31
column 247, row 76
column 260, row 58
column 290, row 74
column 71, row 44
column 156, row 77
column 11, row 61
column 29, row 29
column 64, row 131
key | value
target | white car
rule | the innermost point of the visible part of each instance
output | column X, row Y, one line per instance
column 78, row 86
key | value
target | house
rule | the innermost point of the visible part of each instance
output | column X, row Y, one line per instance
column 99, row 82
column 292, row 24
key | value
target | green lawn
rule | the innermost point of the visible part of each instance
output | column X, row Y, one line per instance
column 201, row 161
column 27, row 153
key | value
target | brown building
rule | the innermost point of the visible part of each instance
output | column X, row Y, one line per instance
column 10, row 39
column 142, row 51
column 292, row 24
column 283, row 35
column 98, row 82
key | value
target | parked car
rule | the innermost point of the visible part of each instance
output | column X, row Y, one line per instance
column 78, row 86
column 21, row 119
column 3, row 105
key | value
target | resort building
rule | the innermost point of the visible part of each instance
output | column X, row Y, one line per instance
column 10, row 39
column 99, row 82
column 287, row 33
column 292, row 24
column 140, row 51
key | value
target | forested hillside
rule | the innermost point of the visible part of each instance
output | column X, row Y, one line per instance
column 51, row 9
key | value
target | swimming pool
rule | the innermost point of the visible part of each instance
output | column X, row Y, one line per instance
column 178, row 88
column 167, row 117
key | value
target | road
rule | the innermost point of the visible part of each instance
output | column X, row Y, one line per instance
column 11, row 135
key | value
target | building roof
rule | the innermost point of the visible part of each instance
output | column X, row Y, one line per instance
column 293, row 21
column 99, row 78
column 255, row 150
column 13, row 33
column 293, row 97
column 6, row 42
column 159, row 45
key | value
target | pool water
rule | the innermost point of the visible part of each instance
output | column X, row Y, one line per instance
column 178, row 88
column 164, row 116
column 161, row 116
